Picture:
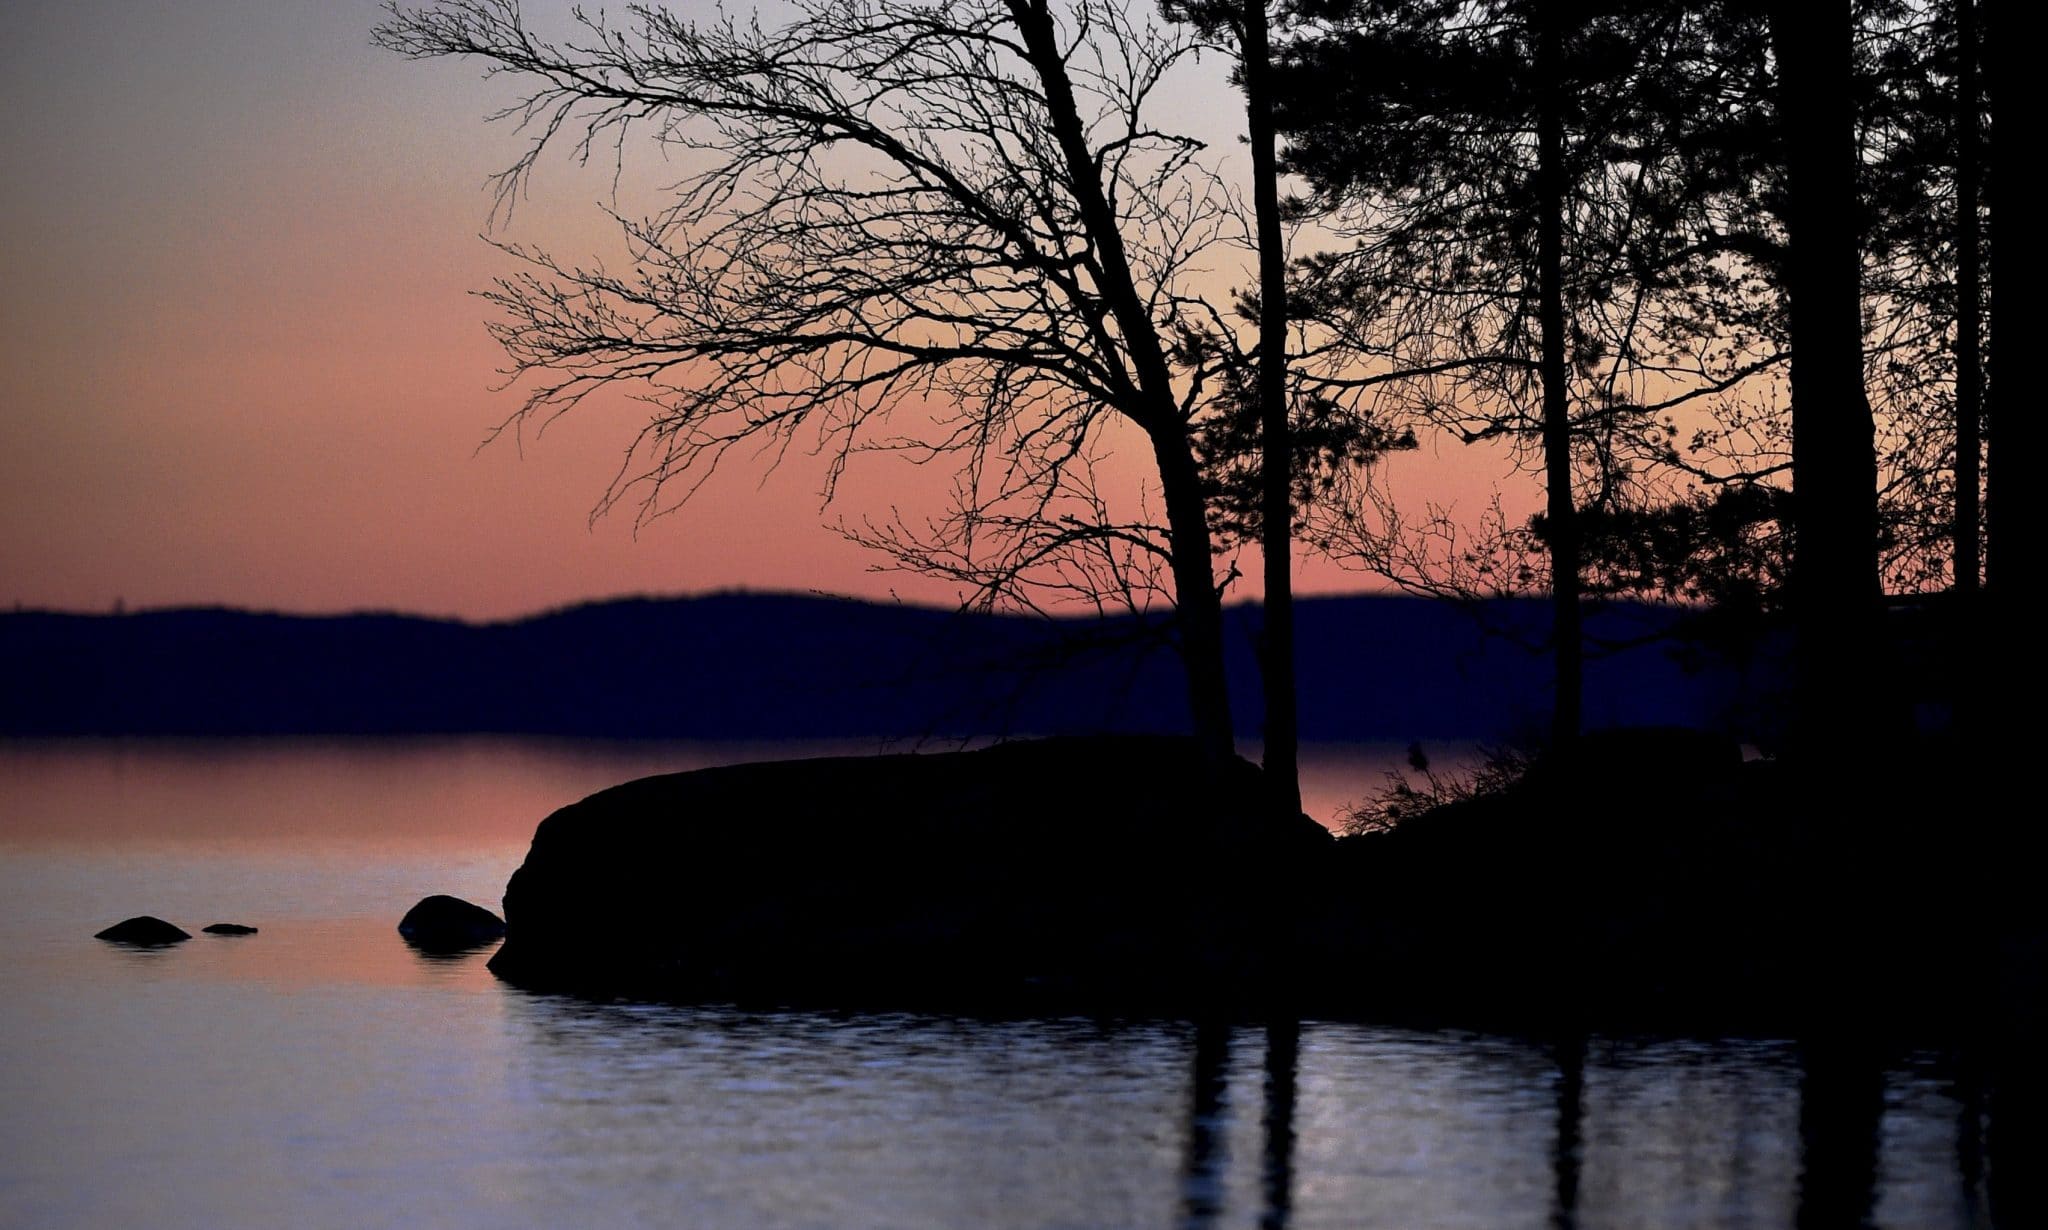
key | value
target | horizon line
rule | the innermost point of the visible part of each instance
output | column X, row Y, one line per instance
column 122, row 611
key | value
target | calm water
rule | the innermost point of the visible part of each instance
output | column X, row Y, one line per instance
column 321, row 1074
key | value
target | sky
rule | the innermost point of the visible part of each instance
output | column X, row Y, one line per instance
column 241, row 360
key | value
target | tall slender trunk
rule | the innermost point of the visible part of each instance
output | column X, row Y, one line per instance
column 1198, row 608
column 1968, row 652
column 1998, row 61
column 1276, row 447
column 1834, row 582
column 1561, row 510
column 1997, row 64
column 1969, row 306
column 2014, row 535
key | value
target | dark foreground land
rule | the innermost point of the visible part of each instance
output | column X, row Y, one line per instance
column 1655, row 881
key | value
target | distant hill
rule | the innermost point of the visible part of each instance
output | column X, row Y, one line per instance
column 767, row 666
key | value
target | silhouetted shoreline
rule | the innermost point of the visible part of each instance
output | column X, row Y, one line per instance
column 781, row 666
column 1656, row 883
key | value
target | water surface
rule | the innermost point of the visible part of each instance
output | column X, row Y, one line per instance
column 321, row 1074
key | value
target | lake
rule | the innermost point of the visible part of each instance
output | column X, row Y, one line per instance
column 322, row 1074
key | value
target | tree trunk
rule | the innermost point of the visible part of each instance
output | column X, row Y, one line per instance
column 1834, row 583
column 1969, row 335
column 2011, row 656
column 1561, row 509
column 1968, row 659
column 1998, row 65
column 1276, row 447
column 2014, row 534
column 1198, row 608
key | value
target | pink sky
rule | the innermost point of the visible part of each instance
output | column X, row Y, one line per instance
column 241, row 362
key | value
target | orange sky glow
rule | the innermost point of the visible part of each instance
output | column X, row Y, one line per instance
column 242, row 364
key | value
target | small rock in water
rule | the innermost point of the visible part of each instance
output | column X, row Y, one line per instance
column 143, row 931
column 449, row 924
column 228, row 929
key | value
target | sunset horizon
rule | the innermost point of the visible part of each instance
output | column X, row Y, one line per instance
column 1016, row 615
column 247, row 364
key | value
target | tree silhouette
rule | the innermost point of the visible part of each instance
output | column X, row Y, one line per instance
column 950, row 230
column 1276, row 443
column 1494, row 163
column 2014, row 535
column 1561, row 506
column 1769, row 315
column 1969, row 344
column 1834, row 579
column 1248, row 27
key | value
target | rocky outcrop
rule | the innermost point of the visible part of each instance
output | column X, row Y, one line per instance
column 228, row 929
column 1105, row 871
column 143, row 931
column 442, row 923
column 1651, row 879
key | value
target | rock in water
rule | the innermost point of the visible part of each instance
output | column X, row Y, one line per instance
column 228, row 929
column 1097, row 871
column 143, row 931
column 442, row 923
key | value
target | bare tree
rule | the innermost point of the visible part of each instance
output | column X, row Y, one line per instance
column 952, row 230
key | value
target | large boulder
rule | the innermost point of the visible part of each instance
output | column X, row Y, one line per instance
column 1104, row 871
column 143, row 931
column 441, row 923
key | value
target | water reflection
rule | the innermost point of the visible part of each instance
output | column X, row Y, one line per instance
column 1566, row 1153
column 926, row 1122
column 445, row 792
column 364, row 1083
column 1967, row 1088
column 1206, row 1172
column 1283, row 1058
column 1202, row 1171
column 1841, row 1112
column 780, row 1119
